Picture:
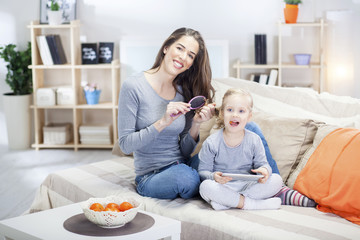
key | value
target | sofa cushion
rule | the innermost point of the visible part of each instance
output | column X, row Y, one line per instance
column 322, row 131
column 205, row 129
column 288, row 139
column 331, row 175
column 342, row 111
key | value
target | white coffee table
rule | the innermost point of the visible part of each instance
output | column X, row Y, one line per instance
column 49, row 225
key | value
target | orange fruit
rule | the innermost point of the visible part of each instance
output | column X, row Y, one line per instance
column 112, row 207
column 97, row 207
column 125, row 206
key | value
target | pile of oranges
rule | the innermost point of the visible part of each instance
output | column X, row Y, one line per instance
column 111, row 207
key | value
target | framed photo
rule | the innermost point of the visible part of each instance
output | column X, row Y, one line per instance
column 68, row 7
column 89, row 53
column 106, row 52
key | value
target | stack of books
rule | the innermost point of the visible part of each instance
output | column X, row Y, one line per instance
column 95, row 134
column 260, row 49
column 51, row 49
column 264, row 78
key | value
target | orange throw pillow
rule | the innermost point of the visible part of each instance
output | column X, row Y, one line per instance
column 331, row 177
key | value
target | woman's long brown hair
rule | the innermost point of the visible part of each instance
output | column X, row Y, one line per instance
column 197, row 79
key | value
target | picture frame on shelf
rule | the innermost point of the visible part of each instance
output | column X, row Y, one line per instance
column 106, row 52
column 68, row 7
column 89, row 53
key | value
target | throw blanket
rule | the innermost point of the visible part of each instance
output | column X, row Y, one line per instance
column 332, row 175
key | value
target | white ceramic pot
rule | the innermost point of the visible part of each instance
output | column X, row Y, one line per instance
column 18, row 121
column 55, row 17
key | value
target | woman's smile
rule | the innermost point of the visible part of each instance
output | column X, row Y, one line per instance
column 178, row 65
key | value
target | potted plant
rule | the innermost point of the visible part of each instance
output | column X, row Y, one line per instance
column 291, row 10
column 55, row 12
column 92, row 93
column 17, row 102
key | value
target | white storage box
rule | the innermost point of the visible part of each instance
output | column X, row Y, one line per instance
column 65, row 96
column 45, row 97
column 57, row 133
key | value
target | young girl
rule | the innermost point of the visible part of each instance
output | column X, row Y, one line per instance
column 234, row 149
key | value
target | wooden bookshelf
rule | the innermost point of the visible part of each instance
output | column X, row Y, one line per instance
column 74, row 69
column 281, row 66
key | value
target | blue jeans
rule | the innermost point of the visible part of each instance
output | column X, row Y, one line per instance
column 176, row 180
column 251, row 126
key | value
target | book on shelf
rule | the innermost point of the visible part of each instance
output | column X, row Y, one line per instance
column 255, row 77
column 94, row 136
column 51, row 42
column 44, row 50
column 263, row 49
column 96, row 141
column 56, row 49
column 59, row 49
column 263, row 79
column 260, row 49
column 272, row 77
column 95, row 129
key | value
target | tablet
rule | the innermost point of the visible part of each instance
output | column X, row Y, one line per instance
column 244, row 177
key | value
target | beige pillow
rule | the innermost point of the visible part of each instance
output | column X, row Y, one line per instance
column 323, row 131
column 288, row 139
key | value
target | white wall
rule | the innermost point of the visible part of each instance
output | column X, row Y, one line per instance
column 234, row 20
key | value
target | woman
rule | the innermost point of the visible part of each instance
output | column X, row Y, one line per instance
column 149, row 124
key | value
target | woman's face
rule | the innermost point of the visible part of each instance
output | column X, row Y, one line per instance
column 236, row 112
column 180, row 55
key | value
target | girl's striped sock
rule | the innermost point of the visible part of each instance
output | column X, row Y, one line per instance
column 293, row 197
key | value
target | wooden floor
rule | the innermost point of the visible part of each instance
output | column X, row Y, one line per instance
column 22, row 172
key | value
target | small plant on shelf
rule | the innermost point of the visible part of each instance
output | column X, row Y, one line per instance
column 54, row 12
column 92, row 93
column 291, row 10
column 90, row 87
column 292, row 2
column 54, row 5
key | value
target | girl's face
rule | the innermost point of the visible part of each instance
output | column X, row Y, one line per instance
column 236, row 112
column 180, row 55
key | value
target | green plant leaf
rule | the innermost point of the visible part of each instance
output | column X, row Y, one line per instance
column 19, row 76
column 293, row 2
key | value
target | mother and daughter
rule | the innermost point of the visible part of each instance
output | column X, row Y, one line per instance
column 155, row 123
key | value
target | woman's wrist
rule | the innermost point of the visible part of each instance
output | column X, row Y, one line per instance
column 160, row 125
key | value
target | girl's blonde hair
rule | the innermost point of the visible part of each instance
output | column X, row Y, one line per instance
column 232, row 91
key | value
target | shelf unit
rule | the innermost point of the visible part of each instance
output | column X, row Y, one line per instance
column 280, row 65
column 75, row 69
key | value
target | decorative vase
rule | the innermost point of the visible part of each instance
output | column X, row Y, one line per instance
column 291, row 13
column 18, row 120
column 92, row 97
column 55, row 17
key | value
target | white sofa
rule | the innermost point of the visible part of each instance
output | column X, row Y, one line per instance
column 293, row 121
